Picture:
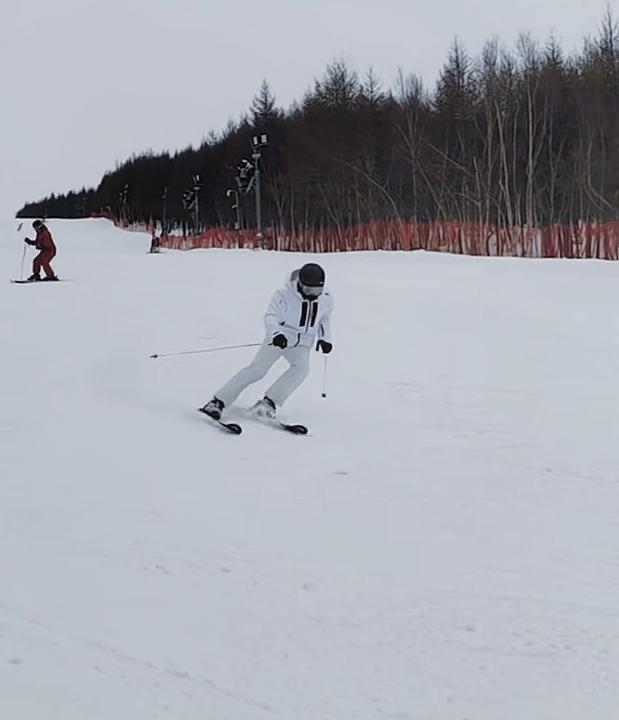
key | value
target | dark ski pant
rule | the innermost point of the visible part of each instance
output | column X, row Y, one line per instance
column 42, row 260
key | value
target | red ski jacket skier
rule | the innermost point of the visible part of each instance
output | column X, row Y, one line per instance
column 45, row 243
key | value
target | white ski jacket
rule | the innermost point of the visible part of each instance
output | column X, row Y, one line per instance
column 301, row 321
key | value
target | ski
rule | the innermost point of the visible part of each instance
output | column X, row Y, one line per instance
column 233, row 428
column 36, row 282
column 293, row 428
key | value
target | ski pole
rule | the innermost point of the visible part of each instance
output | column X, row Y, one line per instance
column 23, row 260
column 23, row 257
column 324, row 377
column 204, row 350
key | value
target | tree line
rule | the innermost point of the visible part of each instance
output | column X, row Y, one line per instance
column 527, row 136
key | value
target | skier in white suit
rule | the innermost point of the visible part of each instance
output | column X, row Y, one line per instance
column 297, row 317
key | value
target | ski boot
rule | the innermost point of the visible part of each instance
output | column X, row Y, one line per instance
column 265, row 409
column 213, row 408
column 35, row 277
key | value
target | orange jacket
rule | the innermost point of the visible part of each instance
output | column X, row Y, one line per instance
column 43, row 240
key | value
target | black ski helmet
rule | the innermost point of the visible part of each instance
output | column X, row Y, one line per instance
column 37, row 224
column 312, row 275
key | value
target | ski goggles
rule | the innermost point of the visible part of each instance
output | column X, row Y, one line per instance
column 311, row 291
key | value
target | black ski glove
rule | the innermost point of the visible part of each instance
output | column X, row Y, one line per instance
column 325, row 346
column 280, row 341
column 29, row 241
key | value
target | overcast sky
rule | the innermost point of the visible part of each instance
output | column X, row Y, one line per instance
column 85, row 83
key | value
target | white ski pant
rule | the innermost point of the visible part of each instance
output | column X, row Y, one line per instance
column 267, row 356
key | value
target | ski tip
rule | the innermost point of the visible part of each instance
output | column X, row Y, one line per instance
column 295, row 429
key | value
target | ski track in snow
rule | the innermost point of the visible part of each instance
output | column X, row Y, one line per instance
column 442, row 546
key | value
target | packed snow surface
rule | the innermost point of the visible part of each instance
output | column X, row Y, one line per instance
column 444, row 545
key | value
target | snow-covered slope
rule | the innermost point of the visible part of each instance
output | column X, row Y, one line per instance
column 443, row 546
